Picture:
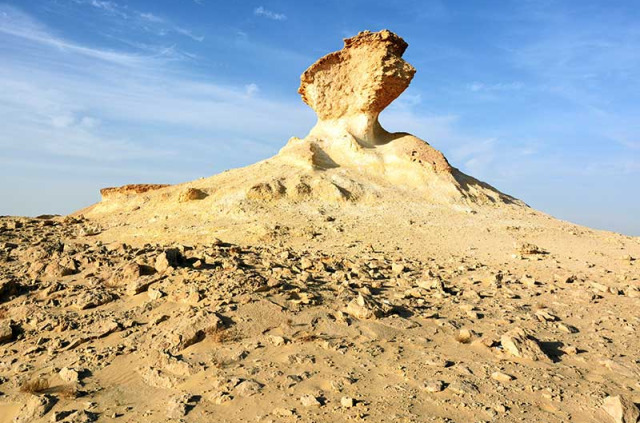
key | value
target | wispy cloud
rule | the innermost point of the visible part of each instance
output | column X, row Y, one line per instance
column 17, row 24
column 251, row 89
column 140, row 20
column 500, row 86
column 265, row 13
column 126, row 109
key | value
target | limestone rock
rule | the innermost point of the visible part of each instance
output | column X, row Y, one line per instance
column 187, row 330
column 34, row 407
column 248, row 388
column 129, row 190
column 519, row 343
column 191, row 194
column 310, row 401
column 178, row 406
column 6, row 330
column 7, row 287
column 621, row 409
column 169, row 258
column 334, row 86
column 69, row 375
column 347, row 402
column 364, row 307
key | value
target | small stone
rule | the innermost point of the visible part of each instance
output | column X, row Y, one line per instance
column 436, row 361
column 282, row 412
column 599, row 287
column 155, row 293
column 463, row 387
column 464, row 336
column 69, row 375
column 248, row 388
column 500, row 408
column 397, row 268
column 168, row 259
column 191, row 194
column 569, row 349
column 139, row 285
column 501, row 377
column 347, row 402
column 526, row 248
column 34, row 407
column 364, row 307
column 310, row 401
column 277, row 340
column 178, row 406
column 305, row 263
column 434, row 386
column 567, row 328
column 6, row 330
column 519, row 343
column 621, row 409
column 545, row 315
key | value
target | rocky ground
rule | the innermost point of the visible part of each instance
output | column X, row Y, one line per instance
column 94, row 331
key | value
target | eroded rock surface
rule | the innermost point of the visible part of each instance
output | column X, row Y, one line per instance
column 361, row 79
column 313, row 334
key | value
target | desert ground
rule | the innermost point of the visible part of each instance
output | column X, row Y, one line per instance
column 354, row 276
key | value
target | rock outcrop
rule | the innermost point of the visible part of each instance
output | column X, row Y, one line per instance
column 349, row 88
column 346, row 158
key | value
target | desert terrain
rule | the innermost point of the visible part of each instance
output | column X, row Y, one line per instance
column 355, row 276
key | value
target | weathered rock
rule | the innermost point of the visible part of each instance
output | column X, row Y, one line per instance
column 364, row 307
column 6, row 330
column 158, row 378
column 621, row 409
column 526, row 248
column 75, row 416
column 169, row 258
column 92, row 299
column 191, row 194
column 69, row 375
column 501, row 377
column 248, row 388
column 178, row 406
column 140, row 284
column 188, row 330
column 519, row 343
column 7, row 287
column 129, row 190
column 130, row 272
column 335, row 89
column 463, row 387
column 61, row 268
column 34, row 407
column 310, row 401
column 433, row 386
column 347, row 402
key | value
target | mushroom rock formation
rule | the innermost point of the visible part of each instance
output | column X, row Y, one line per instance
column 349, row 88
column 347, row 155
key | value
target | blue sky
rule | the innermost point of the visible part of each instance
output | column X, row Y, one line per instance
column 538, row 98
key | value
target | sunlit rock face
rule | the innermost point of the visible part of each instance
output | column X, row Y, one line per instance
column 346, row 157
column 349, row 88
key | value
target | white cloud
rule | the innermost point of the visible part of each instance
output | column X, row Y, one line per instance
column 265, row 13
column 59, row 102
column 188, row 33
column 251, row 89
column 17, row 24
column 141, row 20
column 151, row 17
column 500, row 86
